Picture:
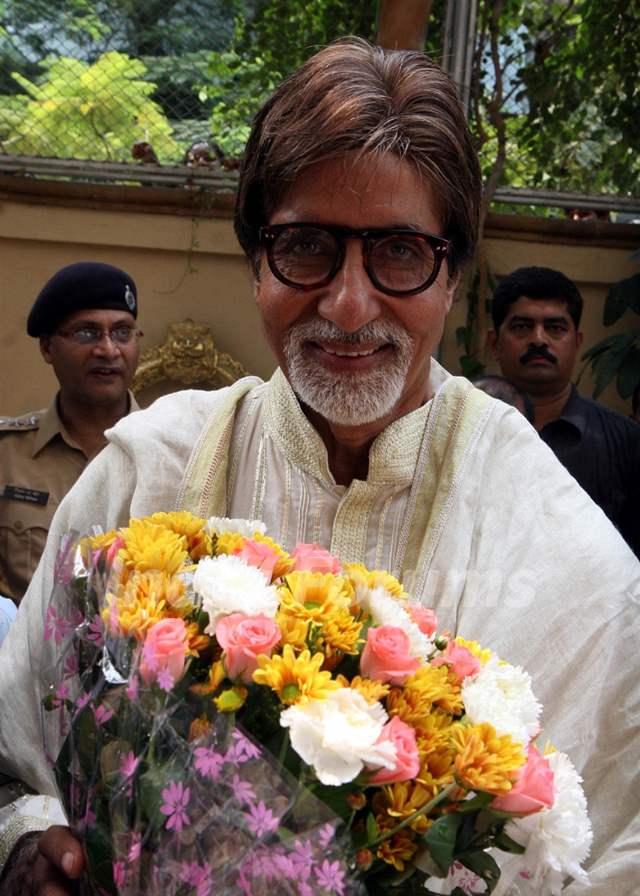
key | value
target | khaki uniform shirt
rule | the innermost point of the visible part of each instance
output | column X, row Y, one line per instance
column 39, row 462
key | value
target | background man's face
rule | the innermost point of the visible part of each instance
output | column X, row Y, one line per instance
column 537, row 345
column 97, row 374
column 351, row 352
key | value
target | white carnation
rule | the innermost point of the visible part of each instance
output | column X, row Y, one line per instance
column 556, row 840
column 227, row 585
column 216, row 525
column 502, row 695
column 337, row 736
column 387, row 610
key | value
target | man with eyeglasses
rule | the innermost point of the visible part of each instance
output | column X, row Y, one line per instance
column 357, row 209
column 85, row 320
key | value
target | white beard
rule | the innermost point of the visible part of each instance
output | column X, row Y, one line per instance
column 348, row 399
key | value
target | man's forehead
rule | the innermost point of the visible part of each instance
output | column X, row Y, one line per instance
column 103, row 317
column 525, row 306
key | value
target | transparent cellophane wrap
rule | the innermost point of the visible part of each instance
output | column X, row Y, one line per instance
column 157, row 809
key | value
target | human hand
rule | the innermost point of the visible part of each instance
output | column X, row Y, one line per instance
column 44, row 864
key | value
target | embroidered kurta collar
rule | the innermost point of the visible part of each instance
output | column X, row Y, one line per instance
column 392, row 456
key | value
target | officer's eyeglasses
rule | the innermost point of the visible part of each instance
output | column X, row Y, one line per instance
column 398, row 261
column 94, row 335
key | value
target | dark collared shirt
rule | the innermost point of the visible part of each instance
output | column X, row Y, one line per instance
column 601, row 450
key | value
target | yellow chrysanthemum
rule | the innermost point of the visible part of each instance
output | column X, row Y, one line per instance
column 482, row 653
column 229, row 543
column 486, row 760
column 198, row 540
column 372, row 691
column 213, row 682
column 428, row 687
column 198, row 642
column 311, row 595
column 360, row 575
column 400, row 800
column 399, row 849
column 141, row 602
column 284, row 563
column 322, row 602
column 295, row 679
column 96, row 542
column 436, row 750
column 148, row 546
column 293, row 630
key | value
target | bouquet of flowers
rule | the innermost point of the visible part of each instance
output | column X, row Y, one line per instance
column 224, row 716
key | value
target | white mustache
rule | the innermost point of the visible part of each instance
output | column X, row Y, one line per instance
column 374, row 331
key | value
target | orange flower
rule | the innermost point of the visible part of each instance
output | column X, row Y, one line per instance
column 485, row 760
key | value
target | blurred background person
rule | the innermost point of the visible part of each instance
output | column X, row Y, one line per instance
column 536, row 338
column 499, row 387
column 85, row 320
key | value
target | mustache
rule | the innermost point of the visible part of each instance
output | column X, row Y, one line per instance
column 373, row 331
column 538, row 351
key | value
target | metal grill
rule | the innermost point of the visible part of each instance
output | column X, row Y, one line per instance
column 117, row 81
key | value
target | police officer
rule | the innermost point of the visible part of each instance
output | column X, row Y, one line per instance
column 85, row 319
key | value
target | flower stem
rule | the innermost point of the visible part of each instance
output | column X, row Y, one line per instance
column 424, row 810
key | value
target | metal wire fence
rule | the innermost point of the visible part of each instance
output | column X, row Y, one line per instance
column 117, row 81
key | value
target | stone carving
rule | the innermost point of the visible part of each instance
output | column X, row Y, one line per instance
column 188, row 356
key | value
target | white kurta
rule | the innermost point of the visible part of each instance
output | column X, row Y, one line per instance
column 462, row 501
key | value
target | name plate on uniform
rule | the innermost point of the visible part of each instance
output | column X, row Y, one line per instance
column 30, row 495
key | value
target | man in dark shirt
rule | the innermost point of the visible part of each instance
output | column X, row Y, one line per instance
column 536, row 317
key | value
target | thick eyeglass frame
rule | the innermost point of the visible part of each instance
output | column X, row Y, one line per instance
column 98, row 335
column 440, row 246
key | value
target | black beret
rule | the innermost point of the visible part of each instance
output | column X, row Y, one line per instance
column 87, row 284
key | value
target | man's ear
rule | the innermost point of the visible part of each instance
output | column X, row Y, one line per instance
column 579, row 339
column 452, row 284
column 492, row 342
column 45, row 349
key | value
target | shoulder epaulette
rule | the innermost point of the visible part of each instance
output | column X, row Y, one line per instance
column 20, row 424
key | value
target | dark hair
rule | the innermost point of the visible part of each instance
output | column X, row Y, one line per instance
column 535, row 283
column 354, row 97
column 635, row 399
column 505, row 390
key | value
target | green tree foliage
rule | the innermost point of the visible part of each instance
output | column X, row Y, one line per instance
column 268, row 44
column 556, row 93
column 86, row 111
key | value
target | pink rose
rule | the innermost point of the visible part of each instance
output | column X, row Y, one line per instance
column 424, row 618
column 386, row 655
column 313, row 558
column 403, row 737
column 164, row 651
column 260, row 555
column 532, row 789
column 244, row 639
column 463, row 663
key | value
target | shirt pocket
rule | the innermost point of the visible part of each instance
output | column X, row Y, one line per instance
column 23, row 533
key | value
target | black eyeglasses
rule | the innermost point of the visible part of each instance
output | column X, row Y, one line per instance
column 398, row 261
column 93, row 335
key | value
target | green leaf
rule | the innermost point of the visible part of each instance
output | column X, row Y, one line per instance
column 372, row 828
column 441, row 839
column 629, row 372
column 470, row 367
column 506, row 843
column 479, row 801
column 622, row 296
column 482, row 864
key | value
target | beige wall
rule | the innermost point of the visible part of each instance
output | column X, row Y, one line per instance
column 192, row 267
